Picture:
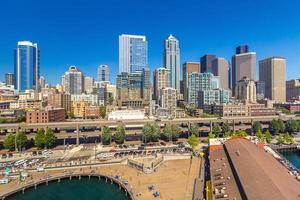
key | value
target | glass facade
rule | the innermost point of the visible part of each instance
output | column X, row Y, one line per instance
column 27, row 69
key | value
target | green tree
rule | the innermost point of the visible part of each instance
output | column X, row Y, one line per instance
column 175, row 131
column 259, row 135
column 281, row 126
column 9, row 141
column 194, row 130
column 120, row 134
column 216, row 129
column 21, row 140
column 171, row 132
column 39, row 138
column 147, row 133
column 209, row 136
column 102, row 111
column 280, row 139
column 106, row 135
column 193, row 141
column 288, row 139
column 70, row 115
column 241, row 133
column 225, row 127
column 50, row 138
column 291, row 126
column 274, row 126
column 256, row 127
column 268, row 136
column 110, row 100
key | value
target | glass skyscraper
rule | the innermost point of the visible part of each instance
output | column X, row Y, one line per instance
column 27, row 67
column 103, row 73
column 133, row 53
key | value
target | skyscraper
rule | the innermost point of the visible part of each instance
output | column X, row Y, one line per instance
column 9, row 79
column 73, row 81
column 42, row 82
column 243, row 65
column 161, row 80
column 272, row 72
column 171, row 60
column 27, row 67
column 242, row 49
column 188, row 67
column 133, row 53
column 220, row 67
column 103, row 73
column 246, row 90
column 206, row 63
column 88, row 84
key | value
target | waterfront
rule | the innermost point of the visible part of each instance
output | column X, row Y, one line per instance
column 74, row 189
column 293, row 157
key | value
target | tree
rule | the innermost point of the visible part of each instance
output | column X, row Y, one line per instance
column 268, row 136
column 50, row 138
column 259, row 135
column 194, row 130
column 70, row 115
column 21, row 139
column 210, row 136
column 102, row 111
column 281, row 126
column 110, row 100
column 291, row 126
column 280, row 139
column 9, row 141
column 171, row 132
column 106, row 135
column 39, row 138
column 288, row 139
column 120, row 134
column 241, row 133
column 256, row 127
column 274, row 126
column 193, row 141
column 175, row 131
column 225, row 127
column 147, row 133
column 216, row 129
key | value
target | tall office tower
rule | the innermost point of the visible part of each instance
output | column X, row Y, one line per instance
column 187, row 68
column 161, row 80
column 171, row 61
column 133, row 89
column 88, row 84
column 9, row 79
column 220, row 67
column 242, row 49
column 133, row 53
column 103, row 73
column 42, row 82
column 293, row 90
column 260, row 90
column 246, row 90
column 272, row 72
column 27, row 66
column 243, row 65
column 73, row 81
column 206, row 63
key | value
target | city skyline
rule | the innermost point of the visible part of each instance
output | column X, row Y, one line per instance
column 57, row 53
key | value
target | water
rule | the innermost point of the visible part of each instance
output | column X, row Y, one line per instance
column 293, row 157
column 84, row 189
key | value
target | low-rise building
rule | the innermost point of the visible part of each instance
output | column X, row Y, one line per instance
column 292, row 107
column 126, row 115
column 60, row 100
column 168, row 97
column 292, row 89
column 79, row 108
column 92, row 112
column 209, row 97
column 49, row 114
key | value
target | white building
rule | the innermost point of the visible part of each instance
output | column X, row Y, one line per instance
column 73, row 81
column 103, row 73
column 88, row 84
column 126, row 115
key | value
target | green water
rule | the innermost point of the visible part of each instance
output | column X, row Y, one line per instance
column 293, row 157
column 84, row 189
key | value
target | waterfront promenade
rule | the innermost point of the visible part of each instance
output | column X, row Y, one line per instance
column 173, row 179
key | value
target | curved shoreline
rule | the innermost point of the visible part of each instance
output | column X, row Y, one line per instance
column 58, row 178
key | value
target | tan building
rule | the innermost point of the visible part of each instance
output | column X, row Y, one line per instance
column 44, row 116
column 272, row 71
column 220, row 67
column 168, row 99
column 79, row 108
column 161, row 80
column 246, row 90
column 188, row 67
column 293, row 90
column 92, row 112
column 60, row 100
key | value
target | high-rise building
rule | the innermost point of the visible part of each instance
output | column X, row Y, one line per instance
column 73, row 81
column 88, row 84
column 161, row 80
column 206, row 63
column 27, row 67
column 168, row 100
column 9, row 79
column 103, row 73
column 212, row 97
column 272, row 72
column 260, row 90
column 133, row 89
column 187, row 68
column 42, row 82
column 243, row 65
column 60, row 100
column 242, row 49
column 246, row 90
column 293, row 90
column 133, row 53
column 171, row 60
column 220, row 67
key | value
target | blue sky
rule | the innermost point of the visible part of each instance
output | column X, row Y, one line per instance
column 85, row 32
